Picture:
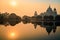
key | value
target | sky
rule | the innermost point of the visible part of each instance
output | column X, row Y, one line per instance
column 38, row 1
column 26, row 7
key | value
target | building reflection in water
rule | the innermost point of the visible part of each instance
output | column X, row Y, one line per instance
column 50, row 26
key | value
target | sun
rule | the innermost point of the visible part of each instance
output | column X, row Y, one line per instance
column 13, row 3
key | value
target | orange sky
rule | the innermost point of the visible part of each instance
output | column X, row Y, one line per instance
column 23, row 8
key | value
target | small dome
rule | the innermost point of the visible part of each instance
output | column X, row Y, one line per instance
column 54, row 9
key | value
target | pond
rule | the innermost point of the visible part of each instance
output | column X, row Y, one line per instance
column 28, row 31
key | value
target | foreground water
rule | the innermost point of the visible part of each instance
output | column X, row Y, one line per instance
column 27, row 32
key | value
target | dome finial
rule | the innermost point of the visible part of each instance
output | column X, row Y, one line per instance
column 49, row 5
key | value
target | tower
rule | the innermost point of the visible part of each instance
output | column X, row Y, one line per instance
column 35, row 14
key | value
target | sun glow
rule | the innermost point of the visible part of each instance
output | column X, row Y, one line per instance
column 13, row 3
column 12, row 34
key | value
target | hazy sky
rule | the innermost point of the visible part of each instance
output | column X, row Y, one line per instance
column 45, row 1
column 27, row 7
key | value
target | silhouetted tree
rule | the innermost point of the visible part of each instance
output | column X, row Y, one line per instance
column 25, row 19
column 14, row 19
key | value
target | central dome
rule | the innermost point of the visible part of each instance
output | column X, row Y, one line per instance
column 49, row 10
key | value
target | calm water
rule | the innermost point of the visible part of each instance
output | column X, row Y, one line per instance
column 27, row 32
